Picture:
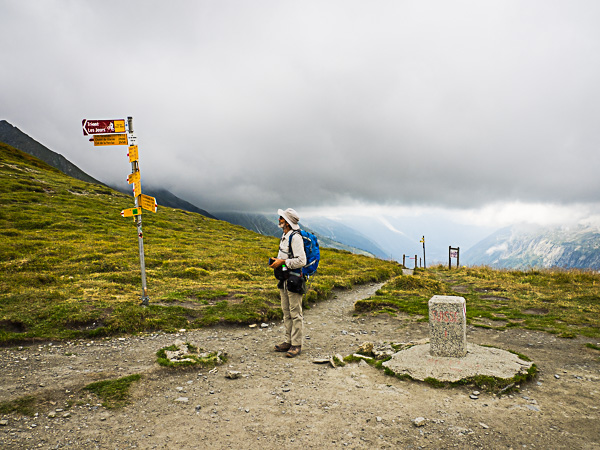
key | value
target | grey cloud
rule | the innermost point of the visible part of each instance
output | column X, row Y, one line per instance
column 241, row 105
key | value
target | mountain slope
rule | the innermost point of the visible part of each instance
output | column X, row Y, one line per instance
column 70, row 266
column 522, row 247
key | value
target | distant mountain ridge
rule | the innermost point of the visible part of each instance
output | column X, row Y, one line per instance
column 14, row 137
column 523, row 247
column 267, row 225
column 339, row 232
column 258, row 223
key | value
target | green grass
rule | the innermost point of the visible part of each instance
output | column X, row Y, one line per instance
column 69, row 263
column 23, row 405
column 565, row 303
column 113, row 393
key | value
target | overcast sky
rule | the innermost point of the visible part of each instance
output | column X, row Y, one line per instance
column 487, row 107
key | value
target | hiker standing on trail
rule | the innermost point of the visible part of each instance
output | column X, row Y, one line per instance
column 288, row 270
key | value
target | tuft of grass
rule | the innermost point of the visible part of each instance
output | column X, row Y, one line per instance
column 113, row 393
column 23, row 405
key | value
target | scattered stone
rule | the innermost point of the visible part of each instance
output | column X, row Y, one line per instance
column 383, row 351
column 483, row 425
column 198, row 408
column 476, row 392
column 232, row 374
column 419, row 422
column 51, row 415
column 66, row 415
column 3, row 423
column 557, row 376
column 366, row 348
column 379, row 419
column 506, row 388
column 182, row 400
column 264, row 325
column 473, row 397
column 321, row 360
column 252, row 325
column 357, row 355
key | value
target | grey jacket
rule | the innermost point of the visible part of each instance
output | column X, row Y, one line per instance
column 299, row 259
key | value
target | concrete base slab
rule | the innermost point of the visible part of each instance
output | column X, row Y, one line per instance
column 417, row 363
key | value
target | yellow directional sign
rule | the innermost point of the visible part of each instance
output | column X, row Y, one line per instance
column 133, row 178
column 148, row 203
column 133, row 153
column 131, row 212
column 137, row 189
column 110, row 139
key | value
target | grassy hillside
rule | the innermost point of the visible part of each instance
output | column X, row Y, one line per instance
column 69, row 263
column 566, row 303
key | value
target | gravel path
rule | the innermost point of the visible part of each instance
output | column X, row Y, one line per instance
column 294, row 403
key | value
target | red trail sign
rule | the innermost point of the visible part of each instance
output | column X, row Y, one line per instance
column 102, row 126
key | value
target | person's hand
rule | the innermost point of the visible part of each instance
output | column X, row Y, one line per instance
column 276, row 263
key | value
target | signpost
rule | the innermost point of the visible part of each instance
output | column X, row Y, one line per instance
column 453, row 253
column 117, row 132
column 424, row 263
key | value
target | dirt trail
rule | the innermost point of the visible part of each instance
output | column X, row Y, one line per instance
column 294, row 403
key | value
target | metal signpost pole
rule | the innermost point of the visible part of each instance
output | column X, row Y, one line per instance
column 138, row 219
column 424, row 262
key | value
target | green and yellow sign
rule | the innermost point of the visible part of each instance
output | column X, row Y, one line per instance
column 131, row 212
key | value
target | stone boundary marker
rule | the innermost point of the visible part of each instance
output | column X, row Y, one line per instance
column 448, row 326
column 446, row 358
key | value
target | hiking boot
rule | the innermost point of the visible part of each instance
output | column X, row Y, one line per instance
column 294, row 351
column 283, row 347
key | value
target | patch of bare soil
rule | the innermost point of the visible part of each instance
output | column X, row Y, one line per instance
column 279, row 402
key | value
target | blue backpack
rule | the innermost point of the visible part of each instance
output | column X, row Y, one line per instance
column 311, row 248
